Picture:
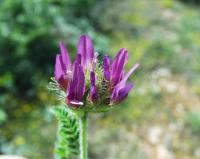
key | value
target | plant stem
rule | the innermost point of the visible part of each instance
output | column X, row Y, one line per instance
column 83, row 136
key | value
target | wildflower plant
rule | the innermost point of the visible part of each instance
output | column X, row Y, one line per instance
column 87, row 85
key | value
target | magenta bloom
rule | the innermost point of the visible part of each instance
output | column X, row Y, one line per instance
column 63, row 68
column 114, row 73
column 85, row 80
column 121, row 89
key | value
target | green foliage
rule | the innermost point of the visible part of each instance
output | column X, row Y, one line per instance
column 53, row 87
column 67, row 143
column 3, row 116
column 193, row 120
column 191, row 2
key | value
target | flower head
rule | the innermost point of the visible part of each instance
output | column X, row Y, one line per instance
column 88, row 84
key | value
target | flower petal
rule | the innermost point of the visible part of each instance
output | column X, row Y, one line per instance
column 85, row 48
column 65, row 56
column 58, row 71
column 118, row 66
column 122, row 89
column 77, row 86
column 78, row 59
column 106, row 67
column 93, row 93
column 93, row 88
column 92, row 78
column 128, row 74
column 120, row 92
column 119, row 56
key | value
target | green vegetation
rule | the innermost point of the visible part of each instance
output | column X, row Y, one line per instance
column 68, row 139
column 161, row 115
column 193, row 120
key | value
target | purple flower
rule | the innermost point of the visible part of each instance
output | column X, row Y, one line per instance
column 122, row 89
column 114, row 74
column 79, row 80
column 63, row 67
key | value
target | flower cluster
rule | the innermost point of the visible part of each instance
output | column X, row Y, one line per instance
column 89, row 83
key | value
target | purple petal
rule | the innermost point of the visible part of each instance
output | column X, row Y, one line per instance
column 128, row 74
column 81, row 83
column 58, row 68
column 118, row 57
column 65, row 56
column 78, row 59
column 85, row 48
column 92, row 78
column 122, row 89
column 106, row 67
column 93, row 89
column 93, row 93
column 76, row 87
column 120, row 92
column 118, row 66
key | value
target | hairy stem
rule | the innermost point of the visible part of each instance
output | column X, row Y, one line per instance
column 83, row 136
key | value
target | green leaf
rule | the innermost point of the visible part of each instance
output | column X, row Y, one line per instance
column 67, row 143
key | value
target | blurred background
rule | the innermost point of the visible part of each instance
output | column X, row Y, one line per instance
column 160, row 119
